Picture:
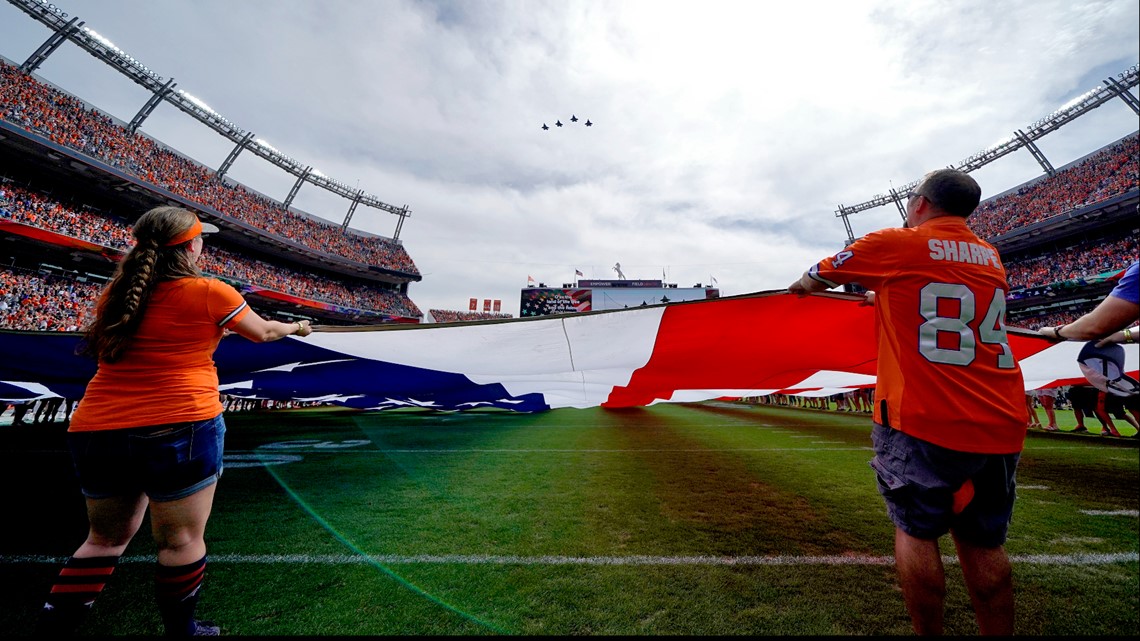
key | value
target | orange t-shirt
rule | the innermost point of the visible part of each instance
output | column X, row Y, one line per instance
column 167, row 374
column 946, row 373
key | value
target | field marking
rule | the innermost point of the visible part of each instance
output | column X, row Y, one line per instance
column 1111, row 512
column 488, row 559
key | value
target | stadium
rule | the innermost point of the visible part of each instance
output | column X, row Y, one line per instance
column 706, row 508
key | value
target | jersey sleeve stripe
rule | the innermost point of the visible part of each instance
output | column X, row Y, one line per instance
column 229, row 317
column 813, row 273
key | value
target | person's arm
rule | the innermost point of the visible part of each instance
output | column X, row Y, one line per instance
column 806, row 284
column 1126, row 335
column 260, row 330
column 1110, row 315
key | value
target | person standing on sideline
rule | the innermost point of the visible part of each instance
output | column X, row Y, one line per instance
column 1031, row 409
column 156, row 326
column 949, row 414
column 1047, row 396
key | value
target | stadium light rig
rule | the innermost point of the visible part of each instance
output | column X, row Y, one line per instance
column 1118, row 87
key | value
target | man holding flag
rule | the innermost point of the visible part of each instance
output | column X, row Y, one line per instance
column 949, row 415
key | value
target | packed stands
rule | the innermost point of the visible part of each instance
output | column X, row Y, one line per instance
column 1086, row 259
column 23, row 205
column 1109, row 172
column 449, row 316
column 66, row 120
column 35, row 301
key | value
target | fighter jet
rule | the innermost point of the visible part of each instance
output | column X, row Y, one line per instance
column 557, row 123
column 573, row 118
column 544, row 127
column 588, row 123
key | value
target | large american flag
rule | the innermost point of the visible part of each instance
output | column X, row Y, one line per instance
column 746, row 345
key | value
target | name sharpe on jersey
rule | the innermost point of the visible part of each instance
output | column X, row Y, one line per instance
column 962, row 252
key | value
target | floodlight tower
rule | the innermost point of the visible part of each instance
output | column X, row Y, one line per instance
column 1118, row 87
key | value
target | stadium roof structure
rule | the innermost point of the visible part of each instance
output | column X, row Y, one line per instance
column 163, row 90
column 1118, row 87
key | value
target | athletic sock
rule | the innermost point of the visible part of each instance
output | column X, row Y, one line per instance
column 79, row 582
column 177, row 590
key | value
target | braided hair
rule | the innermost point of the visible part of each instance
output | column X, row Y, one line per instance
column 123, row 302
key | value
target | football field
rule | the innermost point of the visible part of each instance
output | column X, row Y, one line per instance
column 677, row 519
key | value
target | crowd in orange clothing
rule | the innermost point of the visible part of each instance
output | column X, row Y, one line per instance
column 28, row 207
column 34, row 301
column 1086, row 259
column 234, row 267
column 449, row 316
column 1107, row 173
column 65, row 120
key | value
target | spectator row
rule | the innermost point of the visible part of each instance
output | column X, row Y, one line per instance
column 449, row 316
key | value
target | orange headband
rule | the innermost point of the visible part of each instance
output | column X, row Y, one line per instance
column 189, row 234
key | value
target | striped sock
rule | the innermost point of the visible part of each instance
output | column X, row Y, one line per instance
column 176, row 590
column 79, row 583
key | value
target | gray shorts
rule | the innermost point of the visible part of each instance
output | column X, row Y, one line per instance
column 918, row 481
column 165, row 462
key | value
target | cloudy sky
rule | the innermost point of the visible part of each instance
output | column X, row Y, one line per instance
column 726, row 133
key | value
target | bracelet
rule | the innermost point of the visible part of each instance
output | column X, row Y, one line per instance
column 1128, row 335
column 1057, row 333
column 300, row 329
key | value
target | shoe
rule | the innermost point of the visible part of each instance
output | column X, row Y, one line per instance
column 1080, row 430
column 1051, row 428
column 206, row 629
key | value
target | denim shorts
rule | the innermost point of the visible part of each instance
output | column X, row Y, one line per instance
column 166, row 462
column 918, row 481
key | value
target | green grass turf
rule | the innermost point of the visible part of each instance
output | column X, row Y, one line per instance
column 586, row 522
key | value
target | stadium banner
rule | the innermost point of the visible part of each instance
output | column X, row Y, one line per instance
column 737, row 346
column 59, row 240
column 619, row 283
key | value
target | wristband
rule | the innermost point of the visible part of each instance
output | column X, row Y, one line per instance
column 1057, row 333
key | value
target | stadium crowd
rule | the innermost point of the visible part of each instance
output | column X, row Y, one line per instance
column 449, row 316
column 42, row 302
column 66, row 120
column 1109, row 172
column 1086, row 259
column 28, row 207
